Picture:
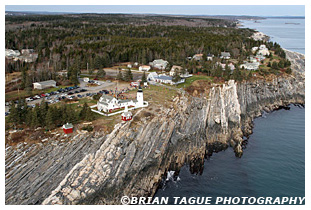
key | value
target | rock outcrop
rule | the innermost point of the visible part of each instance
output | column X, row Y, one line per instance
column 134, row 157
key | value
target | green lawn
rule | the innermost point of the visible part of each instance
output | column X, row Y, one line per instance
column 190, row 80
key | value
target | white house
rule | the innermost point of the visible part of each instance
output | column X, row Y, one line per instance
column 108, row 103
column 250, row 66
column 263, row 50
column 223, row 66
column 225, row 55
column 12, row 53
column 197, row 57
column 162, row 78
column 176, row 69
column 254, row 49
column 209, row 57
column 159, row 64
column 44, row 84
column 144, row 68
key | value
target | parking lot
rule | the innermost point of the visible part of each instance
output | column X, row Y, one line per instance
column 81, row 91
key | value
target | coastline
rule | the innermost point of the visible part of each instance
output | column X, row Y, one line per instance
column 133, row 159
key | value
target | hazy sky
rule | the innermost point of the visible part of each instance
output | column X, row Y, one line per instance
column 256, row 10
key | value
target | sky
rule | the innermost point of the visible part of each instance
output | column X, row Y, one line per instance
column 254, row 10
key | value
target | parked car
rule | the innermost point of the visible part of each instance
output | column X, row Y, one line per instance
column 43, row 95
column 29, row 99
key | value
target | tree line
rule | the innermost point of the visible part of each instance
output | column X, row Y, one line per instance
column 46, row 116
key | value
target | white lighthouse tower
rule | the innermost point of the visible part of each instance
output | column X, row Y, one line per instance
column 140, row 97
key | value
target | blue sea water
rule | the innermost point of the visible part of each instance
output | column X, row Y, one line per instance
column 273, row 164
column 289, row 33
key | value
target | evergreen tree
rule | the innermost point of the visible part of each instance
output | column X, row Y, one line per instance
column 14, row 115
column 49, row 119
column 100, row 73
column 82, row 113
column 35, row 119
column 89, row 115
column 143, row 78
column 128, row 75
column 275, row 65
column 176, row 77
column 120, row 76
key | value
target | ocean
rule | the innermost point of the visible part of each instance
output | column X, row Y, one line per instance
column 289, row 33
column 273, row 164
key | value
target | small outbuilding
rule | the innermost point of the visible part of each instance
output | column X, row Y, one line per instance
column 68, row 128
column 44, row 84
column 126, row 115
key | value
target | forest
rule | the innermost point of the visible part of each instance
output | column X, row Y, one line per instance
column 95, row 41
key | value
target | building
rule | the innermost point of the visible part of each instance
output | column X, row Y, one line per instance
column 209, row 57
column 162, row 78
column 44, row 84
column 144, row 68
column 159, row 64
column 177, row 69
column 126, row 115
column 223, row 66
column 86, row 79
column 129, row 66
column 225, row 55
column 135, row 84
column 27, row 51
column 108, row 103
column 254, row 49
column 197, row 57
column 250, row 66
column 9, row 53
column 68, row 128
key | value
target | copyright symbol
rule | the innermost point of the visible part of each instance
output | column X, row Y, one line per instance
column 125, row 200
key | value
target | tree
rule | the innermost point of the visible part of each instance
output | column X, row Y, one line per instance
column 100, row 73
column 49, row 119
column 14, row 115
column 176, row 77
column 128, row 76
column 35, row 120
column 89, row 116
column 82, row 113
column 120, row 76
column 143, row 78
column 275, row 65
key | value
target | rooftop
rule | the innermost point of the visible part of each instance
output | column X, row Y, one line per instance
column 48, row 82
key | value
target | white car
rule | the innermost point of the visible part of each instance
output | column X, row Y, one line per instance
column 29, row 99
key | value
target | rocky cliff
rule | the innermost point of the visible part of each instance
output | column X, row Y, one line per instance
column 134, row 157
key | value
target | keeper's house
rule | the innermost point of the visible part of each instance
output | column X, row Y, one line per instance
column 44, row 84
column 108, row 103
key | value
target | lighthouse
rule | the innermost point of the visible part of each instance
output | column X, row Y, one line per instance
column 140, row 97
